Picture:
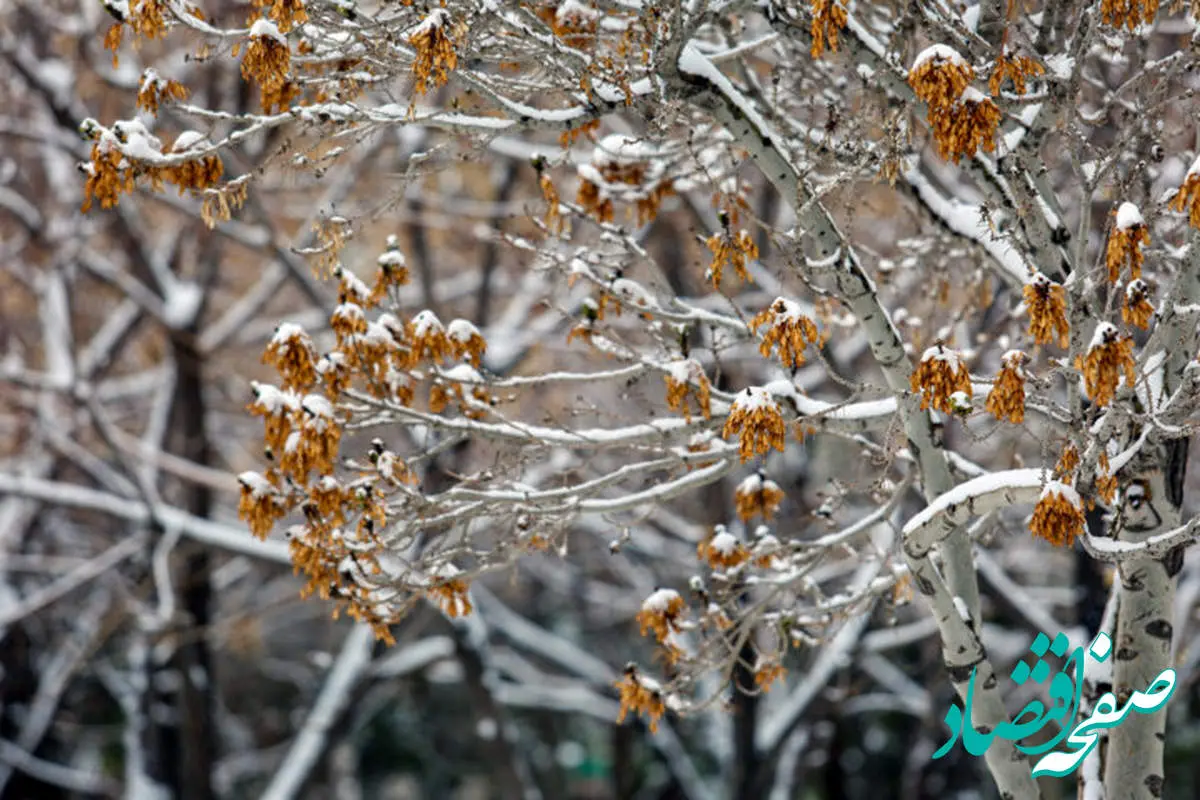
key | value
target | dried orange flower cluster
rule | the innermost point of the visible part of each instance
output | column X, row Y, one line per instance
column 939, row 76
column 1188, row 196
column 1136, row 308
column 640, row 695
column 622, row 168
column 766, row 672
column 1067, row 463
column 1128, row 13
column 286, row 14
column 1047, row 305
column 722, row 551
column 729, row 248
column 266, row 62
column 129, row 152
column 962, row 118
column 1125, row 243
column 1108, row 355
column 553, row 220
column 940, row 374
column 571, row 21
column 449, row 591
column 789, row 330
column 153, row 89
column 961, row 129
column 392, row 271
column 755, row 417
column 661, row 613
column 828, row 17
column 1058, row 516
column 1006, row 400
column 147, row 18
column 680, row 377
column 436, row 56
column 757, row 495
column 1014, row 68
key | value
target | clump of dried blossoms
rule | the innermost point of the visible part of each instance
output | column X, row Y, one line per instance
column 963, row 128
column 626, row 169
column 436, row 57
column 940, row 374
column 640, row 695
column 730, row 249
column 1058, row 517
column 1108, row 355
column 1014, row 68
column 571, row 21
column 154, row 89
column 1136, row 308
column 722, row 551
column 757, row 495
column 1128, row 13
column 1006, row 400
column 1047, row 305
column 449, row 591
column 939, row 75
column 286, row 14
column 828, row 17
column 1188, row 196
column 680, row 377
column 266, row 62
column 789, row 330
column 757, row 420
column 661, row 613
column 1125, row 243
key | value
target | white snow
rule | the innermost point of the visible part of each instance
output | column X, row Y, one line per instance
column 287, row 331
column 660, row 601
column 189, row 140
column 724, row 543
column 259, row 486
column 941, row 53
column 182, row 304
column 318, row 405
column 355, row 286
column 462, row 373
column 264, row 27
column 460, row 330
column 426, row 322
column 751, row 484
column 617, row 148
column 1128, row 216
column 576, row 10
column 681, row 371
column 973, row 95
column 391, row 258
column 1060, row 65
column 274, row 400
column 754, row 398
column 942, row 353
column 1104, row 331
column 436, row 19
column 1137, row 286
column 632, row 292
column 786, row 310
column 350, row 312
column 1064, row 491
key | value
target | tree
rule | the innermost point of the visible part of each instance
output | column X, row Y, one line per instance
column 940, row 263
